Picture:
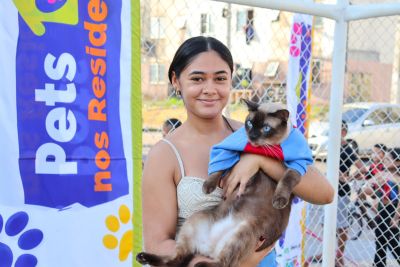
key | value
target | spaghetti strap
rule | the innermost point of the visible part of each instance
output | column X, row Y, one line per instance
column 228, row 124
column 178, row 157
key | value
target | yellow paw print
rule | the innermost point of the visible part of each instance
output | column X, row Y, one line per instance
column 113, row 224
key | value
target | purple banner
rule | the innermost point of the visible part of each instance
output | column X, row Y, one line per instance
column 68, row 87
column 305, row 58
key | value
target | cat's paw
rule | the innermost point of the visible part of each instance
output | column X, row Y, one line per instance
column 150, row 259
column 208, row 188
column 142, row 258
column 280, row 202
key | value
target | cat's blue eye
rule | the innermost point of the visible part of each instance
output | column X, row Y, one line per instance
column 249, row 125
column 266, row 129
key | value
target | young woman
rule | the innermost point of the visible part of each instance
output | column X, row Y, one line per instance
column 176, row 167
column 382, row 187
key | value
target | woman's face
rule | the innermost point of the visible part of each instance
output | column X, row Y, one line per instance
column 204, row 85
column 378, row 154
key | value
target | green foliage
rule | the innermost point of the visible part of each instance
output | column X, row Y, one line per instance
column 171, row 102
column 319, row 112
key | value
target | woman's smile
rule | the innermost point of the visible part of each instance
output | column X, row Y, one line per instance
column 209, row 103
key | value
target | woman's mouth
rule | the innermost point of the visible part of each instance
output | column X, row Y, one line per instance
column 208, row 101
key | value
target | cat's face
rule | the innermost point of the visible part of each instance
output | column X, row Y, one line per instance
column 266, row 124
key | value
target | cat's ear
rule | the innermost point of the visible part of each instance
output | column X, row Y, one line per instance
column 283, row 114
column 252, row 106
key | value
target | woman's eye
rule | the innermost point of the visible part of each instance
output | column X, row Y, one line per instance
column 249, row 125
column 196, row 79
column 266, row 129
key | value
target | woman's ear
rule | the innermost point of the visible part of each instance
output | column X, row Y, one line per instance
column 175, row 83
column 174, row 80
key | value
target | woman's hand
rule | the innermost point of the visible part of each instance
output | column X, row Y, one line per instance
column 247, row 166
column 343, row 177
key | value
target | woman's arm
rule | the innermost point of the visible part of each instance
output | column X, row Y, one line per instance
column 159, row 203
column 313, row 187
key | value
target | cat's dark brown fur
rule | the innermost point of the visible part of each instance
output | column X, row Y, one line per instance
column 268, row 125
column 229, row 232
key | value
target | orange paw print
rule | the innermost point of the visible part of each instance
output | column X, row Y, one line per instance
column 113, row 224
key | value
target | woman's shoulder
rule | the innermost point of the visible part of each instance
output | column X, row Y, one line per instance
column 161, row 149
column 162, row 155
column 161, row 164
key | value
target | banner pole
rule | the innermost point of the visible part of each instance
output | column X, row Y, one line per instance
column 136, row 115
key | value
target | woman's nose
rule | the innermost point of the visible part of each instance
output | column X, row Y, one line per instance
column 209, row 87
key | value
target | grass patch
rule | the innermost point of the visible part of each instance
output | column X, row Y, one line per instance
column 154, row 113
column 171, row 102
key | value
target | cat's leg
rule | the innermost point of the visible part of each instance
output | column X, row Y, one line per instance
column 192, row 236
column 284, row 188
column 184, row 251
column 274, row 228
column 180, row 259
column 149, row 258
column 238, row 248
column 212, row 182
column 207, row 264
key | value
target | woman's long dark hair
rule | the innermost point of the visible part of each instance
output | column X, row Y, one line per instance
column 193, row 47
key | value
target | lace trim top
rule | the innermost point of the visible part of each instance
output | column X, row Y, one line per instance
column 190, row 194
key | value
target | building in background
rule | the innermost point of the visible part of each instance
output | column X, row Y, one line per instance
column 259, row 41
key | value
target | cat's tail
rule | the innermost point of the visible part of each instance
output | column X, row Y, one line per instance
column 157, row 260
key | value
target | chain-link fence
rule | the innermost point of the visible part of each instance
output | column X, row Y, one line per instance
column 259, row 40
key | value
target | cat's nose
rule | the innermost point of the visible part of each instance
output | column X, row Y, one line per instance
column 253, row 138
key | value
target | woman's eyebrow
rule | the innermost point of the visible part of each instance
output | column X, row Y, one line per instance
column 221, row 72
column 196, row 72
column 202, row 72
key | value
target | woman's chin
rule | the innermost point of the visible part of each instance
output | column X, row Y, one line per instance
column 210, row 114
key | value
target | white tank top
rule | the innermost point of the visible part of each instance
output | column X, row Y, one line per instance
column 190, row 194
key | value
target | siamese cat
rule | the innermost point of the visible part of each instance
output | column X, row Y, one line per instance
column 229, row 232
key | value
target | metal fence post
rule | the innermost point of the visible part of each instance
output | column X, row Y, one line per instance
column 335, row 118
